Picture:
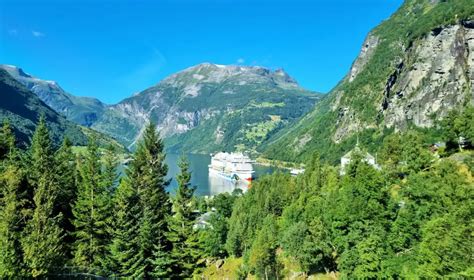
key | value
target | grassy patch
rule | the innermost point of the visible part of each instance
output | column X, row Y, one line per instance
column 229, row 270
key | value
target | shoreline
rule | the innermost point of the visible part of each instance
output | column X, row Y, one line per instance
column 278, row 163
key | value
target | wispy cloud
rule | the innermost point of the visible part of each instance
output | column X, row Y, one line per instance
column 37, row 34
column 240, row 61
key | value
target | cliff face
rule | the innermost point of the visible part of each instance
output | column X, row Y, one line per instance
column 412, row 70
column 211, row 107
column 436, row 75
column 433, row 76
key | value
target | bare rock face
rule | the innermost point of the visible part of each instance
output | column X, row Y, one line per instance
column 435, row 76
column 368, row 48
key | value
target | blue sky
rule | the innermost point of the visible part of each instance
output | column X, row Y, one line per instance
column 112, row 49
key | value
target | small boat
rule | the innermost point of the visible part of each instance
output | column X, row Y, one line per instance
column 235, row 167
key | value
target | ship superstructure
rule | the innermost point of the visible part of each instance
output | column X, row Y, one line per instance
column 232, row 166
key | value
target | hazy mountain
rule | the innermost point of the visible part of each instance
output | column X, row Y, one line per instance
column 411, row 71
column 81, row 110
column 22, row 109
column 210, row 107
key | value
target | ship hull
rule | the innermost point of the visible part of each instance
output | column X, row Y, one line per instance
column 245, row 177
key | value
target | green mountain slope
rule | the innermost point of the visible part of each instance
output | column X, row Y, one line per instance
column 81, row 110
column 22, row 109
column 411, row 71
column 211, row 107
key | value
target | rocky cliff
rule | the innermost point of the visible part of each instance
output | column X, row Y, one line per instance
column 412, row 69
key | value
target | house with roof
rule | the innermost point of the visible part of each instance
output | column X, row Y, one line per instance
column 366, row 157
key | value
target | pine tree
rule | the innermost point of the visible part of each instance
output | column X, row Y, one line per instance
column 43, row 239
column 262, row 256
column 65, row 171
column 11, row 225
column 124, row 246
column 7, row 140
column 147, row 176
column 12, row 201
column 91, row 212
column 185, row 239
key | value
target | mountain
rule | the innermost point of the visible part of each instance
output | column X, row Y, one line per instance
column 412, row 69
column 22, row 109
column 81, row 110
column 211, row 107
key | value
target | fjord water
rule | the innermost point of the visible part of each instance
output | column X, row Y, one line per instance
column 206, row 185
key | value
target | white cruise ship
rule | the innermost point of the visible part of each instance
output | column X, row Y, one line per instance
column 232, row 166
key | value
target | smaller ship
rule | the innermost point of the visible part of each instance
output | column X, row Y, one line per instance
column 235, row 167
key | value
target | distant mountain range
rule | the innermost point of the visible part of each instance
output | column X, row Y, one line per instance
column 81, row 110
column 22, row 109
column 412, row 70
column 205, row 108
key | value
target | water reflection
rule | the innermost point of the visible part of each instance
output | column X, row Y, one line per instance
column 219, row 185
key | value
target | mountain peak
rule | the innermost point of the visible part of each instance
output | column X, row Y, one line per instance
column 15, row 71
column 216, row 73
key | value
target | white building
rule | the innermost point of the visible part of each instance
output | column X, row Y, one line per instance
column 366, row 157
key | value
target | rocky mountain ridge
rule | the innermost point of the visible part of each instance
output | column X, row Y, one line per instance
column 412, row 69
column 81, row 110
column 204, row 104
column 22, row 109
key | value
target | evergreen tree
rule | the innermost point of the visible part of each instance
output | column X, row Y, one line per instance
column 91, row 212
column 7, row 140
column 262, row 255
column 184, row 237
column 146, row 176
column 11, row 223
column 12, row 201
column 125, row 245
column 65, row 171
column 43, row 239
column 109, row 170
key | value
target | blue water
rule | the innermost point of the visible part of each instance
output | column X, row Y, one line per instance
column 206, row 185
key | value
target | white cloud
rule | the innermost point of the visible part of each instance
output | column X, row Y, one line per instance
column 37, row 34
column 240, row 61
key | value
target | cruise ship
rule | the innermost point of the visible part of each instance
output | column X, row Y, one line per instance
column 236, row 167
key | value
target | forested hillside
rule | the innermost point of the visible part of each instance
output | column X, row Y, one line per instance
column 412, row 70
column 22, row 109
column 398, row 205
column 410, row 216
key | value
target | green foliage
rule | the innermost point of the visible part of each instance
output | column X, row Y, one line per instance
column 124, row 245
column 65, row 173
column 22, row 109
column 12, row 201
column 92, row 211
column 458, row 127
column 186, row 252
column 267, row 196
column 364, row 95
column 149, row 204
column 262, row 258
column 42, row 240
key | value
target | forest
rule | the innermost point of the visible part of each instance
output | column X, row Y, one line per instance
column 68, row 215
